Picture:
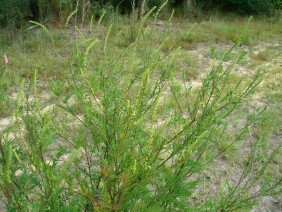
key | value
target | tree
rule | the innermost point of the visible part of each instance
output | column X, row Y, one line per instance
column 140, row 4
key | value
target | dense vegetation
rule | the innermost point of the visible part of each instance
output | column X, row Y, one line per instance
column 14, row 12
column 244, row 6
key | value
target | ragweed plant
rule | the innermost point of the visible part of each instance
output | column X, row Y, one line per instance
column 126, row 134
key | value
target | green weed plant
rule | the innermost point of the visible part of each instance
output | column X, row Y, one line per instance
column 126, row 135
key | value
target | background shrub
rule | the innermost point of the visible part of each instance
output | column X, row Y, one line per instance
column 243, row 6
column 13, row 11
